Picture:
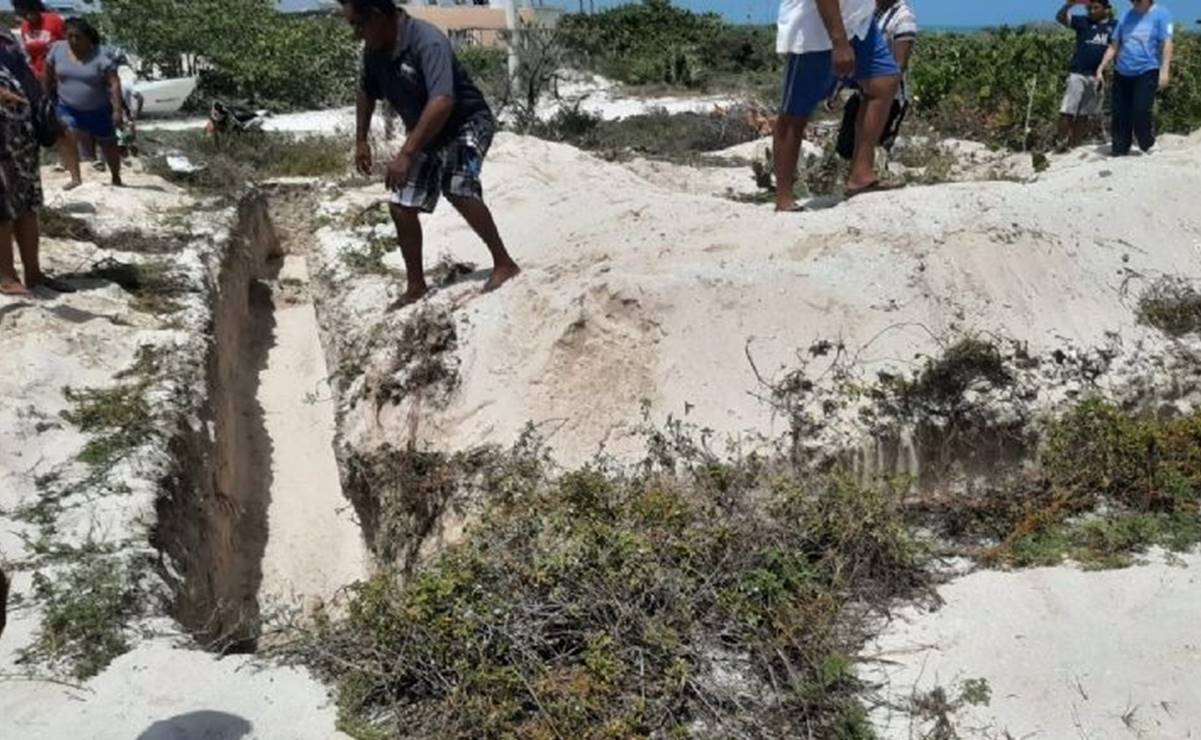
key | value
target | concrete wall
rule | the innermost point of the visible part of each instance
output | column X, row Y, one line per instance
column 478, row 24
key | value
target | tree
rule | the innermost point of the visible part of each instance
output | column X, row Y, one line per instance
column 243, row 48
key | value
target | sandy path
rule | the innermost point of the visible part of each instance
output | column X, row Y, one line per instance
column 1066, row 653
column 314, row 547
column 158, row 692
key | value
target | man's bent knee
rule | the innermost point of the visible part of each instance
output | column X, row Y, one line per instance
column 790, row 124
column 880, row 87
column 458, row 201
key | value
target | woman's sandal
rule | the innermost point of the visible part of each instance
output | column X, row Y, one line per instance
column 58, row 286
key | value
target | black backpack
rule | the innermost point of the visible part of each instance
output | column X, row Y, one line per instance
column 850, row 113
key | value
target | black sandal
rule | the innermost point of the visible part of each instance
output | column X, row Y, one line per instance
column 58, row 286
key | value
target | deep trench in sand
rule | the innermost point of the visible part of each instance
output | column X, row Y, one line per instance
column 314, row 546
column 253, row 522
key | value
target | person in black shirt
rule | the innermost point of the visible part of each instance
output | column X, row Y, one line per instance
column 1082, row 99
column 410, row 63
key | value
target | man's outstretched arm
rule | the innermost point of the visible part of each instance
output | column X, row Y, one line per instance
column 364, row 109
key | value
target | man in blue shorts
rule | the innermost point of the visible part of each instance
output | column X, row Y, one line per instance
column 827, row 41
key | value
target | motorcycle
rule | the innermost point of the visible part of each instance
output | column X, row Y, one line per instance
column 225, row 118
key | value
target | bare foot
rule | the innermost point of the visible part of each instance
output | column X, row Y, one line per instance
column 12, row 287
column 501, row 274
column 411, row 296
column 72, row 185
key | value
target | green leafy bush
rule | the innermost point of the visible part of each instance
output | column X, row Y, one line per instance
column 1005, row 86
column 679, row 137
column 88, row 610
column 654, row 42
column 242, row 48
column 228, row 163
column 598, row 604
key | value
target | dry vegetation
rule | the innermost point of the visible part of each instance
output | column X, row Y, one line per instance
column 695, row 595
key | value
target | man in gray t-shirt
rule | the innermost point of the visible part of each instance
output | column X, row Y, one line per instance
column 411, row 64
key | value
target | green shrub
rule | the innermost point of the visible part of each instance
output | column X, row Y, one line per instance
column 987, row 86
column 88, row 609
column 1172, row 305
column 484, row 62
column 603, row 605
column 681, row 137
column 1002, row 87
column 244, row 48
column 654, row 42
column 228, row 163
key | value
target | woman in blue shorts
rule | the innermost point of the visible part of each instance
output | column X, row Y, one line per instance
column 82, row 75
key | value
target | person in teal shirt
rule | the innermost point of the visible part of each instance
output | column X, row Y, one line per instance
column 1142, row 48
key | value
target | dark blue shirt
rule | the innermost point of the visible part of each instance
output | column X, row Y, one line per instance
column 1091, row 41
column 422, row 66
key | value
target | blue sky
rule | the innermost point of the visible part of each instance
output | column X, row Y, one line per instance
column 930, row 12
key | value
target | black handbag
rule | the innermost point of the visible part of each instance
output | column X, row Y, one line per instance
column 46, row 126
column 850, row 113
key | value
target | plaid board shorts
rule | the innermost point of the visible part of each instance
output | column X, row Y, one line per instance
column 454, row 169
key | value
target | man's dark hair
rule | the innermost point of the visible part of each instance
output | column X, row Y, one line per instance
column 29, row 6
column 85, row 27
column 363, row 7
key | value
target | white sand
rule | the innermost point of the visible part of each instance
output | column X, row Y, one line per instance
column 314, row 546
column 1065, row 653
column 639, row 283
column 595, row 95
column 644, row 286
column 161, row 692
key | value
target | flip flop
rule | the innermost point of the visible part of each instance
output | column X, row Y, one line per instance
column 879, row 186
column 58, row 286
column 796, row 208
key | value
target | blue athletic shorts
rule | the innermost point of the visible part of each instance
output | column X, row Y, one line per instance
column 98, row 123
column 810, row 77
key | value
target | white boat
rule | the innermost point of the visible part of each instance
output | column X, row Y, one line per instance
column 164, row 97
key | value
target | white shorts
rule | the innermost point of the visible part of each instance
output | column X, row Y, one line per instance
column 1082, row 98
